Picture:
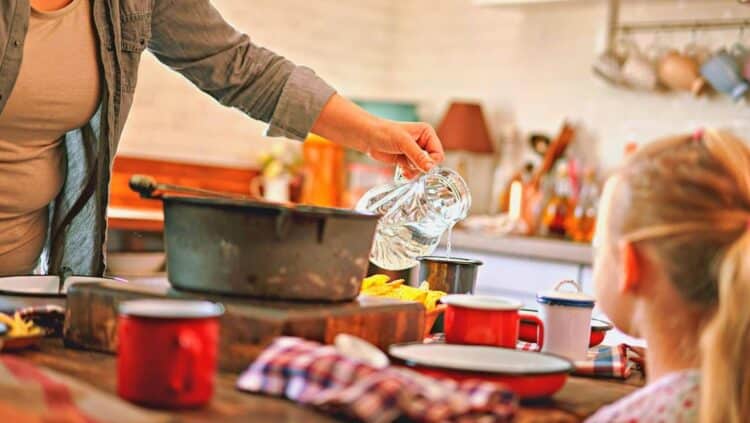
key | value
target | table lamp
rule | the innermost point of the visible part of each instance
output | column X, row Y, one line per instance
column 464, row 128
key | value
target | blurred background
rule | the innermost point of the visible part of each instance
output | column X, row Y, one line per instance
column 535, row 100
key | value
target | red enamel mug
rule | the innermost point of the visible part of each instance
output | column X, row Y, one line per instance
column 167, row 352
column 484, row 320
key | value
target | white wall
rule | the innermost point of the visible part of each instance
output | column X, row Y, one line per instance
column 529, row 65
column 347, row 42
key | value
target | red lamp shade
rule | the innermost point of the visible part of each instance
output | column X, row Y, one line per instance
column 464, row 128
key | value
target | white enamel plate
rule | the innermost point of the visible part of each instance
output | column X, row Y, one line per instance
column 480, row 359
column 528, row 374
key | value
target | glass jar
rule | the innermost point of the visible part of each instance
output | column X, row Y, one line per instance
column 415, row 214
column 324, row 176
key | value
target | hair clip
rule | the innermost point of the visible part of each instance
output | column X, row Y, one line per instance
column 698, row 135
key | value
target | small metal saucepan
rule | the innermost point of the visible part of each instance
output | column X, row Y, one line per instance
column 449, row 274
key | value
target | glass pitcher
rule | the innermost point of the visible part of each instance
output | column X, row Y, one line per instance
column 415, row 214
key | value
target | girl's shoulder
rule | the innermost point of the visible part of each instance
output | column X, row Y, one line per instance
column 673, row 398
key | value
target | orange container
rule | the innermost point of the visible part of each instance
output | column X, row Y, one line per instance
column 324, row 172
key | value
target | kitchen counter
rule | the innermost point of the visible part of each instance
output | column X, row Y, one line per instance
column 133, row 219
column 525, row 247
column 520, row 267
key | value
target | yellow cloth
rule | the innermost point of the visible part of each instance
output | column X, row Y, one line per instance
column 57, row 90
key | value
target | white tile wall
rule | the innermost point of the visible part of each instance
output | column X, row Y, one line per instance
column 531, row 65
column 347, row 42
column 527, row 64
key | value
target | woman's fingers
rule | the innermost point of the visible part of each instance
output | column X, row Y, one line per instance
column 411, row 148
column 429, row 142
column 415, row 147
column 399, row 160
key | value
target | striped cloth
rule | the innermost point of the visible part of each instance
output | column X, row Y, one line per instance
column 604, row 361
column 316, row 375
column 32, row 394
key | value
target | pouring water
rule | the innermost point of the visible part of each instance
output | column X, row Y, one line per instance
column 415, row 215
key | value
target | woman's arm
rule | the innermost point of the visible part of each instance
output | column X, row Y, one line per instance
column 413, row 146
column 191, row 37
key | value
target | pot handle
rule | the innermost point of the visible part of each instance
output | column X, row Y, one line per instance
column 144, row 185
column 188, row 350
column 147, row 187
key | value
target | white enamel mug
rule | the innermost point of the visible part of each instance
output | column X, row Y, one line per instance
column 567, row 321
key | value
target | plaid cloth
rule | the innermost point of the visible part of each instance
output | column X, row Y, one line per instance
column 603, row 361
column 317, row 375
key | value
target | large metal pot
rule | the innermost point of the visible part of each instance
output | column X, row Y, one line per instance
column 242, row 247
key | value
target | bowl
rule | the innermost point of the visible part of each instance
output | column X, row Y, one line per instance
column 135, row 263
column 18, row 343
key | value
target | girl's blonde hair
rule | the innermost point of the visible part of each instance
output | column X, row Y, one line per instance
column 689, row 198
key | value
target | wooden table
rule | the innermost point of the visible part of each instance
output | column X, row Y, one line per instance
column 579, row 398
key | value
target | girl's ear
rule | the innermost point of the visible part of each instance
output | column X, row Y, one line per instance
column 632, row 267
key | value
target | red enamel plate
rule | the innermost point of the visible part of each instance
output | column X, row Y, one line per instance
column 528, row 374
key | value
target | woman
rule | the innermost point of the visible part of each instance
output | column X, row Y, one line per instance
column 68, row 70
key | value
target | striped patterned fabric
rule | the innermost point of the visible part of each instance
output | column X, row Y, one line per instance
column 316, row 375
column 32, row 394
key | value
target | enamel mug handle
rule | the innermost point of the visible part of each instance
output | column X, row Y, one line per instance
column 255, row 187
column 188, row 351
column 539, row 328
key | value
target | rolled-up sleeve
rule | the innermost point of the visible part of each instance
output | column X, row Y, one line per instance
column 191, row 37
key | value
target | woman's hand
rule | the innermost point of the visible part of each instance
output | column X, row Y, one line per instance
column 414, row 147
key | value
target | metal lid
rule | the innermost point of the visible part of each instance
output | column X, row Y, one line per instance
column 309, row 211
column 566, row 298
column 450, row 260
column 481, row 302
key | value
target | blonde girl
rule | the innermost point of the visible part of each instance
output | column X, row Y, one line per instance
column 673, row 267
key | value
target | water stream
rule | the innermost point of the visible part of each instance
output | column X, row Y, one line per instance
column 449, row 247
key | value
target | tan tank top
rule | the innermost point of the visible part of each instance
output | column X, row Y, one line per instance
column 57, row 90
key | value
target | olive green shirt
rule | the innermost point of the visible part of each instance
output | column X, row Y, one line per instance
column 190, row 37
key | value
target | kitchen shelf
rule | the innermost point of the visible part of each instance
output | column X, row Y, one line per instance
column 692, row 25
column 546, row 249
column 132, row 219
column 519, row 2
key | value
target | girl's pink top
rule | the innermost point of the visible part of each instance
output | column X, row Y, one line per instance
column 673, row 398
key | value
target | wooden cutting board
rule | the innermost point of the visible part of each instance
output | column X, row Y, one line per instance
column 248, row 325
